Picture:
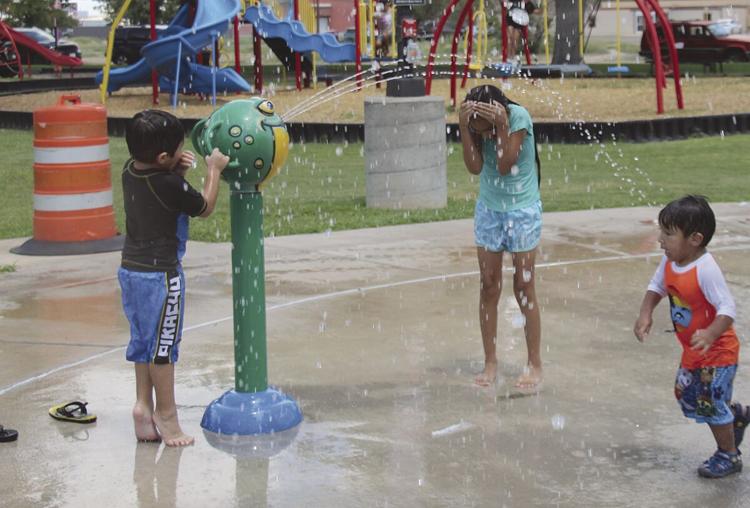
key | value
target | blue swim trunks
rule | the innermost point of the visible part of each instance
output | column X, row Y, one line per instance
column 704, row 394
column 154, row 305
column 512, row 231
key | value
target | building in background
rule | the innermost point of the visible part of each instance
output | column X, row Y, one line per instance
column 631, row 18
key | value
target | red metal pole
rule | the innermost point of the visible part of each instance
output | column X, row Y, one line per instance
column 15, row 50
column 504, row 30
column 454, row 47
column 358, row 46
column 656, row 52
column 297, row 56
column 469, row 45
column 433, row 47
column 154, row 76
column 237, row 66
column 667, row 27
column 526, row 50
column 258, row 63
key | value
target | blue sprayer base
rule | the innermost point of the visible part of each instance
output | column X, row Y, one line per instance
column 245, row 414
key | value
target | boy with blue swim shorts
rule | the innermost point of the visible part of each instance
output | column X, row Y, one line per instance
column 498, row 144
column 703, row 312
column 158, row 201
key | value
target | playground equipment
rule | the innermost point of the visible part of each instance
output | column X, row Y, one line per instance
column 256, row 141
column 11, row 59
column 478, row 20
column 618, row 68
column 295, row 33
column 73, row 211
column 647, row 7
column 174, row 54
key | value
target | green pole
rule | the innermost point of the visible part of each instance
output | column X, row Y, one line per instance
column 256, row 141
column 249, row 294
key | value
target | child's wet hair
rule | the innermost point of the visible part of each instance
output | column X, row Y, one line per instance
column 690, row 214
column 488, row 94
column 152, row 132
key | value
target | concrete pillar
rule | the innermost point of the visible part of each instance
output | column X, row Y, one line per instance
column 405, row 152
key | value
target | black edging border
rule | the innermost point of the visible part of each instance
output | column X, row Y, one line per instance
column 660, row 129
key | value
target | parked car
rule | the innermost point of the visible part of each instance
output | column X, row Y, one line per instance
column 703, row 42
column 129, row 40
column 47, row 40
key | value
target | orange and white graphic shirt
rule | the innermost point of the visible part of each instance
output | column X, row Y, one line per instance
column 697, row 294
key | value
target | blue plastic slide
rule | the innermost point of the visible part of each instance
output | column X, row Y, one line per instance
column 173, row 54
column 296, row 37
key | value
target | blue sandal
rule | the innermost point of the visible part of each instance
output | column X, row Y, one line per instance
column 741, row 420
column 721, row 464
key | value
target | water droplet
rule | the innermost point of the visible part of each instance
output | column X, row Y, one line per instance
column 558, row 422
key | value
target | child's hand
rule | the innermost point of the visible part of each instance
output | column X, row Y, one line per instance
column 701, row 340
column 217, row 161
column 493, row 113
column 187, row 160
column 642, row 327
column 465, row 112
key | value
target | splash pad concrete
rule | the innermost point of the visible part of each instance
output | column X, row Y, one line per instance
column 375, row 334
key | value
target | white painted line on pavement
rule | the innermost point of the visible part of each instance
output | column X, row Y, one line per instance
column 345, row 292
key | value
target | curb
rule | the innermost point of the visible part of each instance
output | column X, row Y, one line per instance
column 638, row 131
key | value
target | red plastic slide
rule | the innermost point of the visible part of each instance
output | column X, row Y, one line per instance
column 30, row 44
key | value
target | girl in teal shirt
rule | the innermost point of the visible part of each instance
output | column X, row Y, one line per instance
column 498, row 144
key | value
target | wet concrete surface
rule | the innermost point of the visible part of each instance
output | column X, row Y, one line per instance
column 375, row 334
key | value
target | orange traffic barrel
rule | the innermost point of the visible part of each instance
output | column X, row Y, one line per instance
column 73, row 211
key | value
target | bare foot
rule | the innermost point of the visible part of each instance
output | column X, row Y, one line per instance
column 488, row 375
column 143, row 421
column 531, row 379
column 170, row 430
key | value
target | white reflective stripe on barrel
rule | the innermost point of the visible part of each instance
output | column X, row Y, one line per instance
column 70, row 202
column 71, row 155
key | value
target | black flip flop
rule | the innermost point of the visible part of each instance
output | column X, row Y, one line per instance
column 741, row 421
column 7, row 435
column 74, row 411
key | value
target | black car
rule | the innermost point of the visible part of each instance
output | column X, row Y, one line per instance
column 9, row 60
column 47, row 40
column 129, row 40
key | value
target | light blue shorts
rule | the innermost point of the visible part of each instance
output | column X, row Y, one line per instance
column 513, row 231
column 704, row 394
column 154, row 305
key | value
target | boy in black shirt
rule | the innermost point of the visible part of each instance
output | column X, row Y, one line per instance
column 157, row 203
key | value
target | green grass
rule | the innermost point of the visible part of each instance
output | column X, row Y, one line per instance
column 322, row 186
column 8, row 268
column 91, row 47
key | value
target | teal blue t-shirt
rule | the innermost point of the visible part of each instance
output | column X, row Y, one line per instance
column 519, row 188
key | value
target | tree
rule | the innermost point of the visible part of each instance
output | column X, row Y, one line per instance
column 138, row 13
column 566, row 41
column 39, row 13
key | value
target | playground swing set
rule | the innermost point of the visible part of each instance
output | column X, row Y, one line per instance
column 647, row 7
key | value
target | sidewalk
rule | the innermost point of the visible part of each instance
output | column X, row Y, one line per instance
column 375, row 334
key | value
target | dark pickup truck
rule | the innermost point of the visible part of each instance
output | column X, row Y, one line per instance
column 128, row 42
column 703, row 42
